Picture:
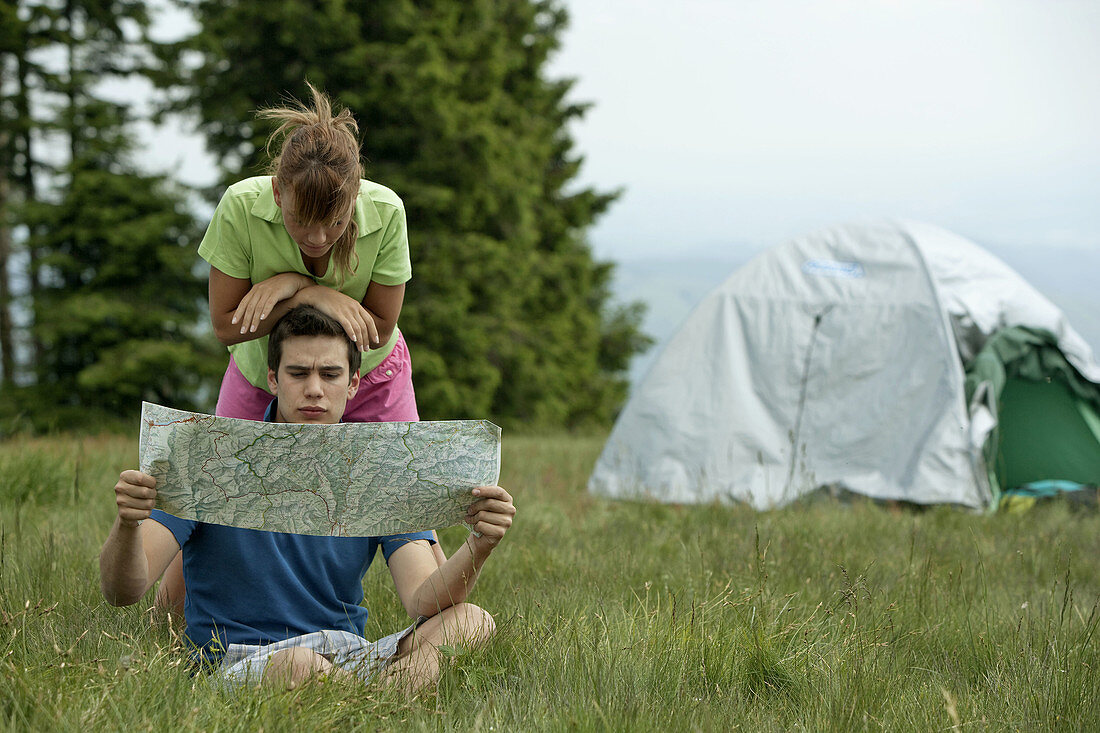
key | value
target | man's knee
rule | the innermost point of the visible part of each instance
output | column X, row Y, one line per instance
column 291, row 667
column 472, row 624
column 486, row 626
column 462, row 623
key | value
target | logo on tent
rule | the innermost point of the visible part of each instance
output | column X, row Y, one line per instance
column 833, row 268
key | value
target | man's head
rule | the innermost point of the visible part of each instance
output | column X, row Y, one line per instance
column 312, row 367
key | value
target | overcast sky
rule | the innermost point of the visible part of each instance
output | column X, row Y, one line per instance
column 734, row 122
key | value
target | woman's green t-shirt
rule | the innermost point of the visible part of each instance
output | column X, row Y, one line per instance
column 246, row 239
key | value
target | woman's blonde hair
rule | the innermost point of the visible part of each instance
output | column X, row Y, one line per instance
column 318, row 158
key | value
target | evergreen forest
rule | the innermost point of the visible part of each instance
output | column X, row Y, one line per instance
column 509, row 316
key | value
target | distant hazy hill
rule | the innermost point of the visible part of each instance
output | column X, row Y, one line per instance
column 671, row 289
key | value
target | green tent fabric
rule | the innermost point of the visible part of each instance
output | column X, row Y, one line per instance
column 1048, row 426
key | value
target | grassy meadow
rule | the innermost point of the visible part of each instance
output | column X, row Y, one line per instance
column 611, row 616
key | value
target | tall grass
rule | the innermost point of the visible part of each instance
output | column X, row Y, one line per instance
column 610, row 615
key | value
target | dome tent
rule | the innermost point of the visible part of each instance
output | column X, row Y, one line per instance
column 834, row 359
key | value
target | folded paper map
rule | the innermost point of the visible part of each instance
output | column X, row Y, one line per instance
column 346, row 480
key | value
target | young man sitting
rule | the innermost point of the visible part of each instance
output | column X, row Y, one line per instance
column 273, row 608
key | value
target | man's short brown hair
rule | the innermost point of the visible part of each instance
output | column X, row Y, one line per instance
column 305, row 320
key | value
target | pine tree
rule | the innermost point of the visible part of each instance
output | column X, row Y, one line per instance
column 255, row 54
column 7, row 344
column 10, row 32
column 22, row 31
column 116, row 299
column 507, row 314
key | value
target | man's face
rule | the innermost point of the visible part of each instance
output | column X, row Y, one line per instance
column 313, row 384
column 314, row 240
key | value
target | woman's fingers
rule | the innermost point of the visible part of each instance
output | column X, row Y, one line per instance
column 372, row 329
column 246, row 310
column 360, row 327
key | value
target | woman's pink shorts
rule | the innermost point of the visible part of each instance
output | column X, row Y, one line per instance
column 385, row 393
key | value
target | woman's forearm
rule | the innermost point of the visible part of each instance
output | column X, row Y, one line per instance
column 241, row 311
column 230, row 333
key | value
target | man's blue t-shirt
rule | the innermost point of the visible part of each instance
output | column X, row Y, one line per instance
column 247, row 586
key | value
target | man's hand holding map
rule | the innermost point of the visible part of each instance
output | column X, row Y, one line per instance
column 349, row 479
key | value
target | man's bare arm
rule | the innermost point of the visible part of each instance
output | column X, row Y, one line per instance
column 136, row 552
column 426, row 588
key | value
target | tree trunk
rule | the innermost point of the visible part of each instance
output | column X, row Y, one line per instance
column 25, row 178
column 7, row 349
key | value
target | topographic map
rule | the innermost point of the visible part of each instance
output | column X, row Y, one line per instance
column 346, row 480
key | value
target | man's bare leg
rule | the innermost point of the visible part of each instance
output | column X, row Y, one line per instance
column 417, row 662
column 290, row 668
